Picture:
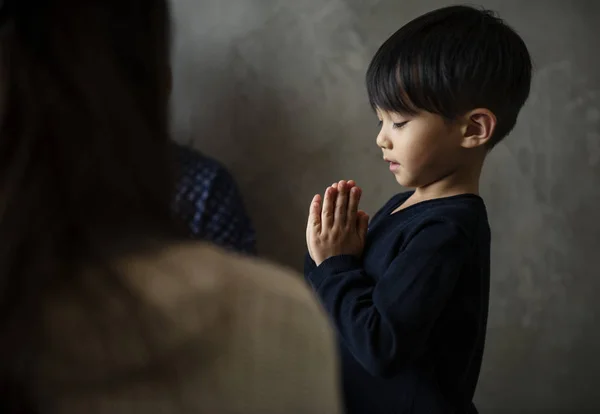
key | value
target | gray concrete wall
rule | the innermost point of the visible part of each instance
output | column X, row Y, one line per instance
column 274, row 89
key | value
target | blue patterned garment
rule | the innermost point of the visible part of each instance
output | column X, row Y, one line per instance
column 209, row 202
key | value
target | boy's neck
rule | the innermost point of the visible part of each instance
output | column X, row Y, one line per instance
column 452, row 185
column 463, row 181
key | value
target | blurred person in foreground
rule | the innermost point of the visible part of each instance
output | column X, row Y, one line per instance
column 106, row 306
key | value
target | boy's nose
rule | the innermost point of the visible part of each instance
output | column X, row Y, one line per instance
column 383, row 141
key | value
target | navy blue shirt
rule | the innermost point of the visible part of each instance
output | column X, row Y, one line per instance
column 412, row 314
column 208, row 201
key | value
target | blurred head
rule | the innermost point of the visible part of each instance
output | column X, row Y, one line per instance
column 83, row 132
column 448, row 87
column 84, row 155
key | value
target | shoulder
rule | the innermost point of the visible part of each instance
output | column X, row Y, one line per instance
column 198, row 269
column 468, row 211
column 268, row 333
column 186, row 291
column 458, row 217
column 205, row 313
column 270, row 321
column 200, row 261
column 195, row 165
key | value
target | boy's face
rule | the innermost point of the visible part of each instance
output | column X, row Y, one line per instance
column 421, row 149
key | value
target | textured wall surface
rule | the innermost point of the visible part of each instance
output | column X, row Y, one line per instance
column 274, row 89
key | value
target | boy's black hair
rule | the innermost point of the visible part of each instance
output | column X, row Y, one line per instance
column 450, row 61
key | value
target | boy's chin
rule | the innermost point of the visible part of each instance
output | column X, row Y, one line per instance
column 406, row 182
column 403, row 180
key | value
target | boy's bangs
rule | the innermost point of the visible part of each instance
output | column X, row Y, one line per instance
column 388, row 86
column 406, row 76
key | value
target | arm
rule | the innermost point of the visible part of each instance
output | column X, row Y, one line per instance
column 387, row 324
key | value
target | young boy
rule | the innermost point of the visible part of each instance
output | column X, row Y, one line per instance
column 409, row 297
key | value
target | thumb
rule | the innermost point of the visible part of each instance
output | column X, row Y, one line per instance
column 363, row 223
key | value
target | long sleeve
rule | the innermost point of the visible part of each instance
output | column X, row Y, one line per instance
column 385, row 323
column 309, row 266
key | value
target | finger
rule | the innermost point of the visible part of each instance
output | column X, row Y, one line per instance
column 363, row 224
column 328, row 206
column 341, row 204
column 349, row 184
column 353, row 202
column 314, row 213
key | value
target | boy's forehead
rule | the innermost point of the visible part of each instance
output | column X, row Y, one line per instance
column 381, row 112
column 385, row 113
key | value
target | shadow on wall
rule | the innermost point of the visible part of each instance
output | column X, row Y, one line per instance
column 247, row 126
column 268, row 162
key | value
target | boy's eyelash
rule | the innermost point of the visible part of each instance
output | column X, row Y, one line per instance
column 396, row 124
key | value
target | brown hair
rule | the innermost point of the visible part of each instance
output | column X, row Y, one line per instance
column 84, row 154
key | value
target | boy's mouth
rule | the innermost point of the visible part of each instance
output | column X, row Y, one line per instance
column 393, row 164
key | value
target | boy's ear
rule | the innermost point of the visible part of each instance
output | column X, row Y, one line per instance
column 479, row 127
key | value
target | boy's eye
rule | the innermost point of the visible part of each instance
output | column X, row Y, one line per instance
column 395, row 125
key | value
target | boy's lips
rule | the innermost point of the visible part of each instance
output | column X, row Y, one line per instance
column 393, row 164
